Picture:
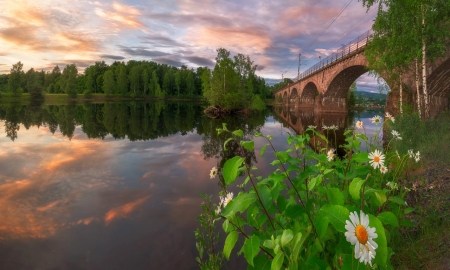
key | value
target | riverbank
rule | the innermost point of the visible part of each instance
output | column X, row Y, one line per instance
column 427, row 244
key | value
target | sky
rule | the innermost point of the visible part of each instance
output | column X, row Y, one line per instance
column 45, row 33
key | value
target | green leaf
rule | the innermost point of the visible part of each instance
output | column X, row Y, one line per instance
column 230, row 169
column 251, row 248
column 238, row 133
column 355, row 188
column 327, row 171
column 337, row 215
column 335, row 196
column 381, row 197
column 240, row 203
column 265, row 195
column 409, row 210
column 286, row 237
column 297, row 243
column 388, row 218
column 261, row 262
column 269, row 244
column 397, row 200
column 407, row 223
column 224, row 126
column 249, row 145
column 283, row 156
column 361, row 157
column 275, row 162
column 230, row 242
column 382, row 252
column 314, row 181
column 263, row 149
column 277, row 262
column 225, row 143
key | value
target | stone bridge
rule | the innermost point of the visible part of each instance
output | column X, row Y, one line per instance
column 299, row 120
column 324, row 86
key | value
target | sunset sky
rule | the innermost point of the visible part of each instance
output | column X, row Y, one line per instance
column 46, row 33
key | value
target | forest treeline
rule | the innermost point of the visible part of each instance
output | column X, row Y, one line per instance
column 132, row 79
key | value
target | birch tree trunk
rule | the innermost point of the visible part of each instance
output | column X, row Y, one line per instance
column 417, row 87
column 424, row 68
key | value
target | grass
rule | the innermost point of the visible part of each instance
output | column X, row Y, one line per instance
column 427, row 244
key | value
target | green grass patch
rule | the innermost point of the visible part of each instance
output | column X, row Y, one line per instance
column 427, row 244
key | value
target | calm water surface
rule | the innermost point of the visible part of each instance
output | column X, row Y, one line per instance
column 116, row 185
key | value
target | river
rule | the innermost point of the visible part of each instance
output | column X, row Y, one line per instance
column 117, row 185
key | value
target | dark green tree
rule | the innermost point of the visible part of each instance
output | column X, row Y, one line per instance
column 69, row 80
column 109, row 84
column 15, row 79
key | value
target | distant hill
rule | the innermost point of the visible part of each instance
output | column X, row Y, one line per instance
column 371, row 95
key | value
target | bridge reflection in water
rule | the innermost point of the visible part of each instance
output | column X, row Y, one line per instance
column 299, row 120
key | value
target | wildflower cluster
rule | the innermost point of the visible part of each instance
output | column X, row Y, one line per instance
column 294, row 217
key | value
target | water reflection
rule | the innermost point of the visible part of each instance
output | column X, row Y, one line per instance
column 115, row 185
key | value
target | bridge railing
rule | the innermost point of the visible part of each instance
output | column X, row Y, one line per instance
column 354, row 45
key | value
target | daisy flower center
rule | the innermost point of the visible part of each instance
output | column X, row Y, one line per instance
column 361, row 234
column 376, row 159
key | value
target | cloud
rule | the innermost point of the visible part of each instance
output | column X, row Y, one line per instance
column 200, row 61
column 168, row 61
column 125, row 16
column 113, row 57
column 140, row 51
column 124, row 210
column 161, row 41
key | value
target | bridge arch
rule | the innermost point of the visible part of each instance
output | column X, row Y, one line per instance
column 341, row 83
column 285, row 97
column 309, row 93
column 294, row 96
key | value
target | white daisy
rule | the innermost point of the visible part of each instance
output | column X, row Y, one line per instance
column 213, row 172
column 218, row 210
column 325, row 127
column 333, row 127
column 376, row 119
column 359, row 124
column 227, row 199
column 376, row 159
column 390, row 117
column 312, row 127
column 417, row 156
column 383, row 169
column 330, row 154
column 411, row 153
column 361, row 235
column 396, row 135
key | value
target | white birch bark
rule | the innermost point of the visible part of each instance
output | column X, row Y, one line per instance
column 424, row 68
column 417, row 88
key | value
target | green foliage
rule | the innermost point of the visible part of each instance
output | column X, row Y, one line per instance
column 207, row 239
column 232, row 82
column 69, row 80
column 15, row 79
column 297, row 217
column 257, row 104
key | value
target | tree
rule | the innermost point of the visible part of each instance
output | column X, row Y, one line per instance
column 34, row 83
column 122, row 80
column 109, row 84
column 69, row 80
column 135, row 75
column 15, row 79
column 405, row 32
column 145, row 80
column 351, row 95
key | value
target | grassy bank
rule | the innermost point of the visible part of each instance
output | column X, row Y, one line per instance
column 427, row 244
